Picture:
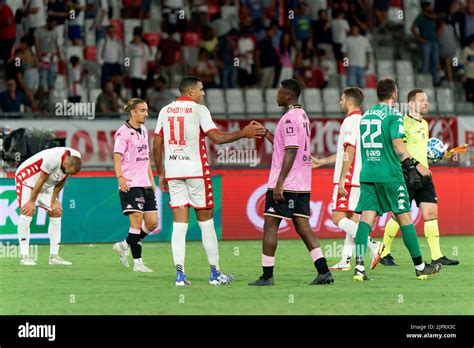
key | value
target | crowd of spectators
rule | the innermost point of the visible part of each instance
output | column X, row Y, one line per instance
column 226, row 43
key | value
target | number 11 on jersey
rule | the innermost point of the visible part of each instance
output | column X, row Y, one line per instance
column 182, row 139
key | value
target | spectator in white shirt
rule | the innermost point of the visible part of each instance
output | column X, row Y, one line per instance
column 357, row 49
column 139, row 54
column 35, row 13
column 75, row 77
column 109, row 55
column 47, row 50
column 340, row 29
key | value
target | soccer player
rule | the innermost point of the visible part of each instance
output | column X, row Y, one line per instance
column 346, row 191
column 382, row 184
column 416, row 139
column 135, row 183
column 289, row 185
column 181, row 129
column 39, row 180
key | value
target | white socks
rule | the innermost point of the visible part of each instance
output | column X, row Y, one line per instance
column 24, row 234
column 178, row 242
column 54, row 232
column 350, row 227
column 420, row 267
column 348, row 247
column 209, row 242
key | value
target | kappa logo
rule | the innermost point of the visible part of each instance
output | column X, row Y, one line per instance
column 129, row 206
column 271, row 210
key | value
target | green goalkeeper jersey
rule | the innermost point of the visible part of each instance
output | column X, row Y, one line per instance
column 380, row 124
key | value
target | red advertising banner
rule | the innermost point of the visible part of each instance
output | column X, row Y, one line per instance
column 243, row 200
column 95, row 138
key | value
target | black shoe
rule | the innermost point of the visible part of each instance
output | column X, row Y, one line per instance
column 388, row 260
column 428, row 270
column 322, row 279
column 360, row 276
column 445, row 261
column 263, row 282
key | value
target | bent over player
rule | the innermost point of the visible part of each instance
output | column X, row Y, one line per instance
column 39, row 180
column 135, row 183
column 181, row 129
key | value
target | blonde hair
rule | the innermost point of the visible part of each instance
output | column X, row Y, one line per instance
column 132, row 104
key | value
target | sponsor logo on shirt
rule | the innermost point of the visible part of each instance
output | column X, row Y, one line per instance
column 142, row 147
column 179, row 158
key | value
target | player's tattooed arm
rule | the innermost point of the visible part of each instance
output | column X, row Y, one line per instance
column 288, row 160
column 403, row 154
column 400, row 149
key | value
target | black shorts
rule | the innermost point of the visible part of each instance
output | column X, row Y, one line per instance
column 425, row 194
column 138, row 200
column 294, row 204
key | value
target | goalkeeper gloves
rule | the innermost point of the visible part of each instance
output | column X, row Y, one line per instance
column 412, row 178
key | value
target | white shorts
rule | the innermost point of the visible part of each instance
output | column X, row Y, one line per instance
column 196, row 193
column 43, row 200
column 347, row 203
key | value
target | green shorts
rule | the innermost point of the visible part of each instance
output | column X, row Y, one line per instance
column 384, row 197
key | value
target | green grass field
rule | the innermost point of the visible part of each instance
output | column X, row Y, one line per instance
column 98, row 284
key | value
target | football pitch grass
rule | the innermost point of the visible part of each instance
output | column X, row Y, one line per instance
column 98, row 284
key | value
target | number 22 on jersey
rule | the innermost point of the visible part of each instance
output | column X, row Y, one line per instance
column 370, row 124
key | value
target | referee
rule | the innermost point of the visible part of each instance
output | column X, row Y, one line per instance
column 416, row 138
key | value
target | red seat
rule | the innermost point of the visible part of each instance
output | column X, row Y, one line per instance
column 90, row 53
column 370, row 81
column 341, row 68
column 153, row 39
column 191, row 39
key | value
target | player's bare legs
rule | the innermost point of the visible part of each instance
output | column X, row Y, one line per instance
column 269, row 245
column 347, row 221
column 54, row 232
column 210, row 244
column 24, row 233
column 312, row 244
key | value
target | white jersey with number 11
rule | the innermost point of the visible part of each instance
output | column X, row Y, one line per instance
column 183, row 124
